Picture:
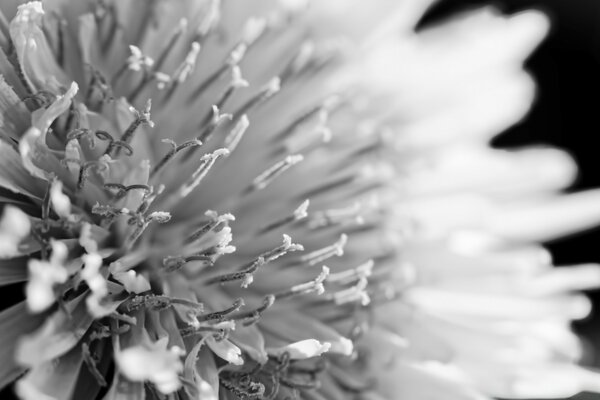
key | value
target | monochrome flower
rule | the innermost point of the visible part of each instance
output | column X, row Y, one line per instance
column 254, row 200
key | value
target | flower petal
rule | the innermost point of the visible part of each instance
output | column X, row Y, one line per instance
column 14, row 323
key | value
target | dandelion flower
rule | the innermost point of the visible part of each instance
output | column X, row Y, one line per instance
column 212, row 199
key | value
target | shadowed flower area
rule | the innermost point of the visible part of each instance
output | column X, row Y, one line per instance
column 263, row 199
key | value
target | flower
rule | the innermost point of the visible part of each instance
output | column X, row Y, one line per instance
column 223, row 201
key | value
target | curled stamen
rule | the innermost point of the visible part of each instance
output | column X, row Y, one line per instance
column 252, row 316
column 175, row 149
column 84, row 170
column 221, row 315
column 79, row 133
column 112, row 143
column 140, row 118
column 215, row 121
column 122, row 190
column 42, row 99
column 268, row 176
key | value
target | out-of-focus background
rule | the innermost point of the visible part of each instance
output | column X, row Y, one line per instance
column 566, row 114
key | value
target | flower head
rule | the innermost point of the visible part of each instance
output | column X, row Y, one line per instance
column 223, row 201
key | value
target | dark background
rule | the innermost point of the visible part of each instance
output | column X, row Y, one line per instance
column 567, row 114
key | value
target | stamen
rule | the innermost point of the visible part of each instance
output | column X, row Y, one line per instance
column 264, row 179
column 215, row 121
column 342, row 216
column 122, row 190
column 77, row 134
column 179, row 31
column 246, row 274
column 252, row 316
column 206, row 163
column 109, row 213
column 314, row 286
column 270, row 89
column 175, row 149
column 140, row 118
column 175, row 263
column 235, row 136
column 138, row 61
column 318, row 256
column 160, row 302
column 300, row 60
column 298, row 214
column 215, row 221
column 222, row 315
column 348, row 276
column 113, row 144
column 318, row 111
column 84, row 169
column 209, row 20
column 352, row 294
column 184, row 70
column 237, row 82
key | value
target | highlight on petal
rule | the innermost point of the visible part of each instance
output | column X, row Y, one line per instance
column 44, row 276
column 14, row 227
column 153, row 362
column 301, row 350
